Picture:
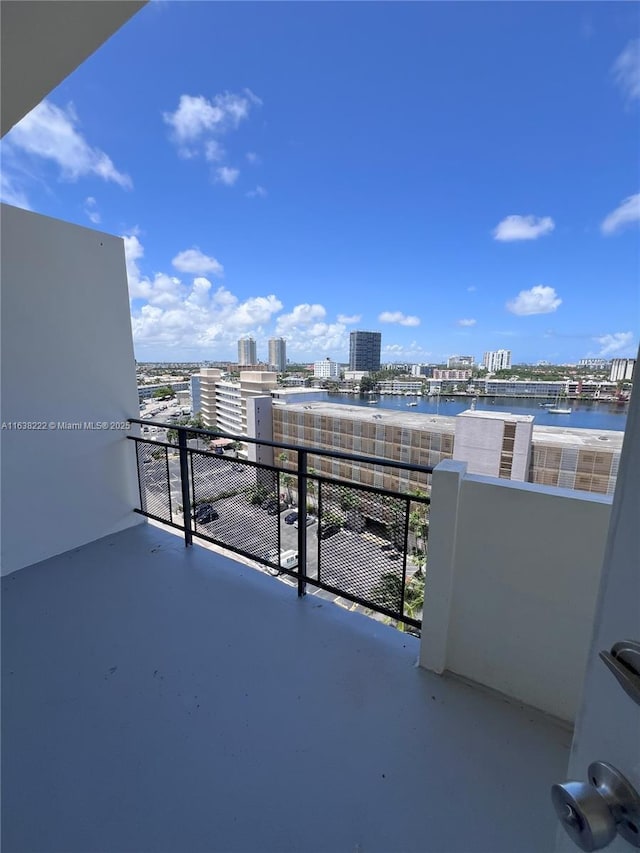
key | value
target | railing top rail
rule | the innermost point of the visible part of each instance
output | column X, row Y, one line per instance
column 316, row 451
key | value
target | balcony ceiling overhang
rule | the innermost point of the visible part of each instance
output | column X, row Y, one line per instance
column 43, row 42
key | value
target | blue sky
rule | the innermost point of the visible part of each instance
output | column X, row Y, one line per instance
column 461, row 177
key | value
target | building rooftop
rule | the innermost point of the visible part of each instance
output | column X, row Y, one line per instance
column 410, row 420
column 610, row 439
column 496, row 416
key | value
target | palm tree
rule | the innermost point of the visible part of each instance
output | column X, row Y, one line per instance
column 419, row 522
column 312, row 488
column 287, row 482
column 414, row 596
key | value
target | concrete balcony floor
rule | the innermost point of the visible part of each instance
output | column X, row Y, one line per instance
column 163, row 699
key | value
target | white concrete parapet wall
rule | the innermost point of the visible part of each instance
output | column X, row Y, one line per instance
column 512, row 582
column 68, row 386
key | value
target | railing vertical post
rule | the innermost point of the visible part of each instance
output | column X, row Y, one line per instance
column 184, row 484
column 403, row 591
column 302, row 522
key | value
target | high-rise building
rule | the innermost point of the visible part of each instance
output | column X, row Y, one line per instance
column 278, row 354
column 364, row 350
column 461, row 361
column 622, row 369
column 247, row 352
column 497, row 360
column 196, row 402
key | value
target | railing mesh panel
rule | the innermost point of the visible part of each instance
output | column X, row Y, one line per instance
column 155, row 473
column 361, row 543
column 236, row 504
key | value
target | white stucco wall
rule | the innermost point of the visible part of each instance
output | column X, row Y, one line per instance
column 512, row 583
column 260, row 425
column 67, row 356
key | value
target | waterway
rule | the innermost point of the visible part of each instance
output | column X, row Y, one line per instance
column 585, row 414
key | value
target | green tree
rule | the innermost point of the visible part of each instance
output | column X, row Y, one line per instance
column 287, row 482
column 332, row 517
column 419, row 523
column 388, row 591
column 366, row 384
column 349, row 499
column 256, row 494
column 414, row 597
column 165, row 391
column 312, row 490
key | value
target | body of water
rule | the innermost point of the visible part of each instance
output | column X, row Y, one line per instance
column 585, row 414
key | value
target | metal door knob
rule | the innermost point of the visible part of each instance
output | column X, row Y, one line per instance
column 593, row 812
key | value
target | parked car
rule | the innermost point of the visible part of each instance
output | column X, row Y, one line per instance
column 276, row 508
column 205, row 513
column 327, row 530
column 290, row 517
column 311, row 519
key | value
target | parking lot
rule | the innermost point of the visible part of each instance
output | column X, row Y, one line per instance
column 351, row 562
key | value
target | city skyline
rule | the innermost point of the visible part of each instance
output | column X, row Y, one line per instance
column 453, row 212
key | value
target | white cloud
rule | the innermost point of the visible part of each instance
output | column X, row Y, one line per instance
column 626, row 70
column 302, row 316
column 179, row 315
column 255, row 311
column 523, row 228
column 133, row 251
column 307, row 332
column 259, row 192
column 198, row 123
column 91, row 210
column 472, row 289
column 253, row 158
column 11, row 193
column 467, row 322
column 213, row 151
column 349, row 319
column 616, row 344
column 541, row 299
column 195, row 261
column 399, row 352
column 227, row 175
column 52, row 133
column 196, row 115
column 626, row 213
column 398, row 317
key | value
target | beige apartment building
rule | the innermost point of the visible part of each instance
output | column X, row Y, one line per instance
column 581, row 459
column 414, row 439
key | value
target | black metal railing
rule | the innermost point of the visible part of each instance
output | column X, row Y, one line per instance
column 359, row 542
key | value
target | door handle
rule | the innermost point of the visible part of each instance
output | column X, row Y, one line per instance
column 624, row 662
column 592, row 813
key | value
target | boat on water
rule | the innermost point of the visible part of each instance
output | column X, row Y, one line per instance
column 547, row 405
column 557, row 409
column 373, row 402
column 412, row 404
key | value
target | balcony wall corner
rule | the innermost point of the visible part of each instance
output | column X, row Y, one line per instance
column 446, row 486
